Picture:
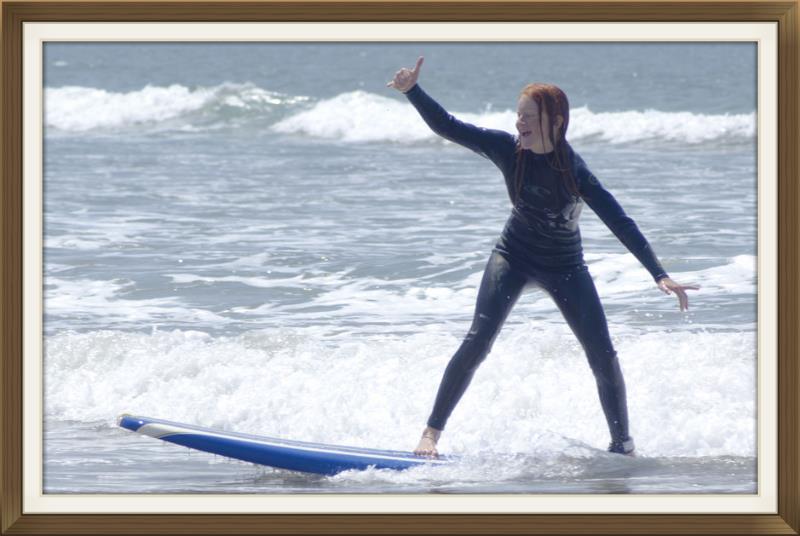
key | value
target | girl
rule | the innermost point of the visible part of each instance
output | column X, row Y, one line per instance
column 540, row 245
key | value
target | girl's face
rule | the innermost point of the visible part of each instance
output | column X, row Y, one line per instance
column 532, row 126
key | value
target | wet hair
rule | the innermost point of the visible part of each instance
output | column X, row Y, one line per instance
column 552, row 100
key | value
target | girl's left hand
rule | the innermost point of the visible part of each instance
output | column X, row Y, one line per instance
column 668, row 286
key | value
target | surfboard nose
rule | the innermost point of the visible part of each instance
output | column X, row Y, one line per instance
column 129, row 422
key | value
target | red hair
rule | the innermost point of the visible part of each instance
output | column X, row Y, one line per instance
column 553, row 101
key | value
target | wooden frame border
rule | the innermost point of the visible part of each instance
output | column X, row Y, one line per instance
column 14, row 12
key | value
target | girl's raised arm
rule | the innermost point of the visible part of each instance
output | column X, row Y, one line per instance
column 496, row 145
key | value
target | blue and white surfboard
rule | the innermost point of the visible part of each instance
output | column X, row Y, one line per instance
column 282, row 453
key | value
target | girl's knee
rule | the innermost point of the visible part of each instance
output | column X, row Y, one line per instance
column 476, row 346
column 482, row 334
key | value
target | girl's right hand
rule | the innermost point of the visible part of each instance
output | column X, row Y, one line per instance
column 404, row 79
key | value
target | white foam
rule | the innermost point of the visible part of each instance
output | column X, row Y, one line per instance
column 686, row 127
column 103, row 300
column 339, row 298
column 690, row 394
column 78, row 109
column 620, row 278
column 357, row 117
column 108, row 233
column 360, row 116
column 257, row 282
column 621, row 274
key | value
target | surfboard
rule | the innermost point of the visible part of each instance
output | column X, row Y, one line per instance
column 302, row 456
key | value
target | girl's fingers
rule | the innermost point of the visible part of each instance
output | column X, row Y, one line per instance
column 679, row 290
column 418, row 65
column 398, row 80
column 684, row 299
column 405, row 75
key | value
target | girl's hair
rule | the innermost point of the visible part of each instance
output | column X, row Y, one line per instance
column 552, row 100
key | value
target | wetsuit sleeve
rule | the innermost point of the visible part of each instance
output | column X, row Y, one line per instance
column 624, row 228
column 489, row 143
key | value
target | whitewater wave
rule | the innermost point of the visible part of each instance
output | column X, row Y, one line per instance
column 80, row 109
column 535, row 391
column 353, row 117
column 360, row 116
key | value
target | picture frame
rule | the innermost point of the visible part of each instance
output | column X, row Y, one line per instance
column 15, row 14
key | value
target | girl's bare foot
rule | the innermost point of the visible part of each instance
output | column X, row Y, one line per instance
column 427, row 443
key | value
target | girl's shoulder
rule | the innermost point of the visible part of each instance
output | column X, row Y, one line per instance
column 580, row 169
column 503, row 138
column 504, row 145
column 575, row 158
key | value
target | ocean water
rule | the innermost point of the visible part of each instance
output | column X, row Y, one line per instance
column 265, row 238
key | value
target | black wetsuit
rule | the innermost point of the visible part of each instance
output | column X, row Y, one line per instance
column 539, row 246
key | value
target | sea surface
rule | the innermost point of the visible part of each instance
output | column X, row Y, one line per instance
column 265, row 238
